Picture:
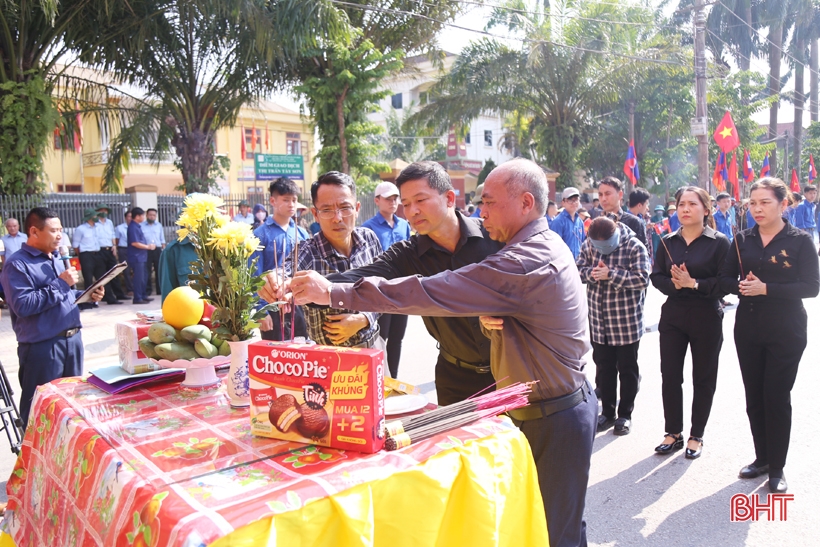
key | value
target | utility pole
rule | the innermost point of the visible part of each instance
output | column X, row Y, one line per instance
column 700, row 124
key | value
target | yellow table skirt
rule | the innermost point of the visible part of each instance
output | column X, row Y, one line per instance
column 482, row 493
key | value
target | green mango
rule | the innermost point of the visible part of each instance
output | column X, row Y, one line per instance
column 225, row 349
column 176, row 350
column 205, row 349
column 216, row 341
column 147, row 347
column 161, row 333
column 196, row 332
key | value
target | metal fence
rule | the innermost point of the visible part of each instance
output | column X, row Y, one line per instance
column 69, row 207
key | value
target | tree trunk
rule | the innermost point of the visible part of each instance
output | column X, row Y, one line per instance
column 815, row 56
column 775, row 45
column 799, row 100
column 196, row 155
column 340, row 118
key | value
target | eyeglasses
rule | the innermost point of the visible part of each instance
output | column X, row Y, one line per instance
column 328, row 214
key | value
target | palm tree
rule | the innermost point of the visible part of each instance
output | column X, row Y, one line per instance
column 198, row 62
column 35, row 37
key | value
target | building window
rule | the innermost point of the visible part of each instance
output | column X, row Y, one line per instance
column 467, row 136
column 304, row 149
column 75, row 188
column 58, row 140
column 252, row 143
column 423, row 98
column 256, row 190
column 293, row 146
column 488, row 137
column 395, row 100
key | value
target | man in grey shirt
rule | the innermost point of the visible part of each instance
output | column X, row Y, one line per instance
column 533, row 308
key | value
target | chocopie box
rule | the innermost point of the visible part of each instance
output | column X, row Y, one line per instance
column 324, row 395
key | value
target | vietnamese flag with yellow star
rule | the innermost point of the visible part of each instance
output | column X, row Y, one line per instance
column 726, row 135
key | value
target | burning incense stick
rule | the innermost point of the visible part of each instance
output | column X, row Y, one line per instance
column 667, row 251
column 276, row 273
column 292, row 274
column 739, row 261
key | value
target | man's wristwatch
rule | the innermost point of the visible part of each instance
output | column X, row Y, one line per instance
column 696, row 286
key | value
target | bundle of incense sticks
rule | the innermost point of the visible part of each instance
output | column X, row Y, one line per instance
column 400, row 440
column 294, row 266
column 447, row 417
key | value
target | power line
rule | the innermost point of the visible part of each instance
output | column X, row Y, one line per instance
column 783, row 52
column 523, row 40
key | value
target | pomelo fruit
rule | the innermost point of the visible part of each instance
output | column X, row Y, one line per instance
column 182, row 307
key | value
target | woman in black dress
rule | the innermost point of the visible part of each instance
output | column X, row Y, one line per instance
column 772, row 266
column 686, row 267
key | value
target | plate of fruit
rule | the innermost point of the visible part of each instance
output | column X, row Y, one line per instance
column 193, row 348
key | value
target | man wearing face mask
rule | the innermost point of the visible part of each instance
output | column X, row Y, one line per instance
column 615, row 266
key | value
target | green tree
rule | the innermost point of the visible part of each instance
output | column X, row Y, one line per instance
column 199, row 62
column 341, row 81
column 35, row 37
column 344, row 88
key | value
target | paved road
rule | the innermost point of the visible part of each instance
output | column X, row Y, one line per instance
column 635, row 498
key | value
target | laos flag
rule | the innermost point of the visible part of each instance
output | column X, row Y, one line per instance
column 812, row 169
column 631, row 164
column 764, row 171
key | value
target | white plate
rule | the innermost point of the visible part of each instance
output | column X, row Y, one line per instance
column 399, row 404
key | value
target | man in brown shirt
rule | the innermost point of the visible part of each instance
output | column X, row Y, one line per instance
column 534, row 311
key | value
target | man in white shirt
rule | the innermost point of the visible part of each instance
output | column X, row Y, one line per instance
column 244, row 214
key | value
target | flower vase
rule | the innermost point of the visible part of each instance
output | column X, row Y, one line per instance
column 239, row 392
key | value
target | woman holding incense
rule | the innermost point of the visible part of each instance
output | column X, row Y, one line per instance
column 772, row 266
column 686, row 270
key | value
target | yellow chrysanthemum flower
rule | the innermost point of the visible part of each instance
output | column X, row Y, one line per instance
column 232, row 237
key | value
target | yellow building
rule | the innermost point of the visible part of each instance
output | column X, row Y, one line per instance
column 279, row 130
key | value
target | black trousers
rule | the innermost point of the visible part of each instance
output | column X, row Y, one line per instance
column 275, row 334
column 109, row 261
column 562, row 448
column 770, row 344
column 128, row 274
column 455, row 384
column 42, row 362
column 614, row 362
column 93, row 268
column 152, row 264
column 391, row 328
column 699, row 325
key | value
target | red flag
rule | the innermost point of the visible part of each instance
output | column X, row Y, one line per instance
column 253, row 138
column 243, row 142
column 733, row 176
column 795, row 186
column 748, row 170
column 720, row 174
column 726, row 135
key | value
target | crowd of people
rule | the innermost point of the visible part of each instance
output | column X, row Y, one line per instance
column 486, row 288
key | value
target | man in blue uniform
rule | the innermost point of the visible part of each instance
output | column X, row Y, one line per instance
column 154, row 235
column 122, row 249
column 568, row 224
column 106, row 234
column 276, row 236
column 138, row 248
column 44, row 315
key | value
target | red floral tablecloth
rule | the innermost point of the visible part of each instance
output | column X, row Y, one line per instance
column 156, row 466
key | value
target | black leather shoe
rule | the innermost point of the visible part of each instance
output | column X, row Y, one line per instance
column 777, row 485
column 605, row 422
column 694, row 454
column 622, row 426
column 115, row 303
column 671, row 447
column 752, row 471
